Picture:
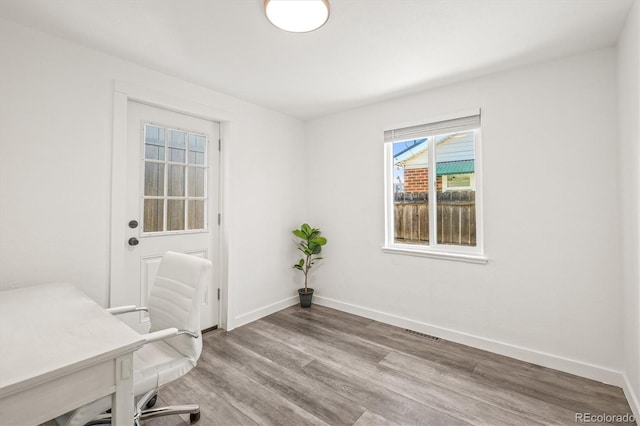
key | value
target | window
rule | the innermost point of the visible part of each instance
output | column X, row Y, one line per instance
column 435, row 211
column 455, row 182
column 175, row 179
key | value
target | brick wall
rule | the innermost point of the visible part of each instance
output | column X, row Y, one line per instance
column 417, row 180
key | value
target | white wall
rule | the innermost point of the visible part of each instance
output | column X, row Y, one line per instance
column 551, row 292
column 56, row 101
column 629, row 137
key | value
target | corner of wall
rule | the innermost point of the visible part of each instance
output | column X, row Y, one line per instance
column 632, row 397
column 628, row 50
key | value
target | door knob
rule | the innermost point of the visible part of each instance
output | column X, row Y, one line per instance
column 133, row 224
column 133, row 241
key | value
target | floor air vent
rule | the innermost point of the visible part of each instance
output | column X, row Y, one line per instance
column 426, row 336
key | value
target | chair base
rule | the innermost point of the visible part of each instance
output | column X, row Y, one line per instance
column 148, row 401
column 192, row 409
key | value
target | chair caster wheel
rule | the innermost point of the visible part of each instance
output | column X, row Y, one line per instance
column 194, row 417
column 151, row 402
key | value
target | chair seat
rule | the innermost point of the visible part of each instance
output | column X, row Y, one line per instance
column 156, row 364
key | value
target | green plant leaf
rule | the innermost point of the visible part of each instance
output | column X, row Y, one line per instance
column 306, row 229
column 301, row 263
column 298, row 233
column 316, row 249
column 319, row 241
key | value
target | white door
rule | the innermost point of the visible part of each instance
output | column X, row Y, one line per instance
column 171, row 201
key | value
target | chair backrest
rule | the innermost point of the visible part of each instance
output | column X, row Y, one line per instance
column 176, row 297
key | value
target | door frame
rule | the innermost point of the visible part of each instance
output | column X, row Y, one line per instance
column 123, row 93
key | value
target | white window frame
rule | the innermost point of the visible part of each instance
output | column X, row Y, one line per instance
column 434, row 249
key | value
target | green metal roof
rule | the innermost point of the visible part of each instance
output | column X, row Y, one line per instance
column 455, row 167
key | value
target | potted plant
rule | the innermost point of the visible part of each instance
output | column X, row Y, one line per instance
column 310, row 244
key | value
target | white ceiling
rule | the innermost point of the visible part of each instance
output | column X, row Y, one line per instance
column 369, row 50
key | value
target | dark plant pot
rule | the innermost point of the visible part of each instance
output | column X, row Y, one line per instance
column 305, row 297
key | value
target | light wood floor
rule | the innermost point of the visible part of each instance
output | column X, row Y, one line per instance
column 320, row 366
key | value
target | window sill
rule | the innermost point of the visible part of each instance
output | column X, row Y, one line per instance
column 458, row 257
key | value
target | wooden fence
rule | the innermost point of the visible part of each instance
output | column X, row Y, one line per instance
column 456, row 221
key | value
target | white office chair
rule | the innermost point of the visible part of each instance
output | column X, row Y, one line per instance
column 172, row 346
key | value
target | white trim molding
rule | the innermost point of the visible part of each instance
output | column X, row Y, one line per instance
column 264, row 311
column 460, row 257
column 135, row 92
column 632, row 397
column 568, row 365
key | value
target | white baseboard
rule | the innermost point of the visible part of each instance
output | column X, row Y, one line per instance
column 579, row 368
column 264, row 311
column 632, row 397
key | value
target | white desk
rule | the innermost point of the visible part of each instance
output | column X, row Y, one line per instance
column 60, row 350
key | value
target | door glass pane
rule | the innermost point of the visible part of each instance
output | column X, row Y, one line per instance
column 175, row 181
column 197, row 145
column 153, row 142
column 175, row 170
column 196, row 214
column 455, row 188
column 177, row 145
column 410, row 191
column 196, row 181
column 153, row 179
column 153, row 215
column 175, row 215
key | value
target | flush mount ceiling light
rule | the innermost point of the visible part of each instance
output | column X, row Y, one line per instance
column 297, row 16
